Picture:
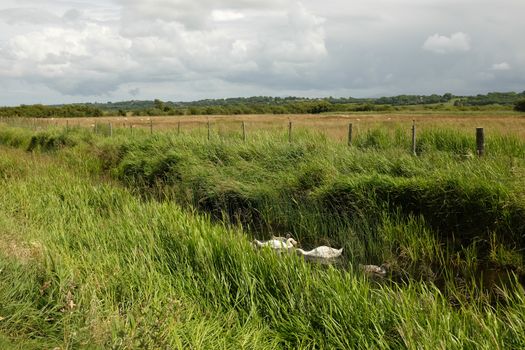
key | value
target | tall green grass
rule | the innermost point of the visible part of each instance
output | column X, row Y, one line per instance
column 86, row 264
column 324, row 192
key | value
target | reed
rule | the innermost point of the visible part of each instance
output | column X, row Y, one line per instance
column 165, row 260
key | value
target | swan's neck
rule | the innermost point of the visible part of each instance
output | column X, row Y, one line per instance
column 300, row 251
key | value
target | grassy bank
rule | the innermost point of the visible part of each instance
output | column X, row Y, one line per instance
column 444, row 210
column 86, row 264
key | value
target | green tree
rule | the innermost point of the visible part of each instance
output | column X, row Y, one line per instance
column 447, row 97
column 158, row 104
column 520, row 106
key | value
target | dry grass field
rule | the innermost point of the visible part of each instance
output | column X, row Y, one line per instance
column 334, row 126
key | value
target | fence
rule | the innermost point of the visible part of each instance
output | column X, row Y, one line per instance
column 107, row 128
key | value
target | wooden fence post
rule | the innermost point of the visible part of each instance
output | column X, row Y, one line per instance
column 289, row 131
column 414, row 138
column 96, row 127
column 243, row 131
column 480, row 141
column 178, row 128
column 110, row 130
column 151, row 126
column 209, row 130
column 349, row 134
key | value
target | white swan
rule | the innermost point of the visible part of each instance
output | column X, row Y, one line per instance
column 323, row 252
column 374, row 270
column 277, row 244
column 283, row 239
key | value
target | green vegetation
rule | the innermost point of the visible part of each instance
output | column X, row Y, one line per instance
column 272, row 105
column 520, row 106
column 41, row 111
column 501, row 98
column 86, row 261
column 297, row 105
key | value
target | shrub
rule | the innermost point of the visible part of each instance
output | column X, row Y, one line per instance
column 520, row 106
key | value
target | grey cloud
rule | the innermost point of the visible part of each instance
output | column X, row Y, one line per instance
column 33, row 16
column 86, row 86
column 134, row 92
column 194, row 15
column 42, row 17
column 72, row 15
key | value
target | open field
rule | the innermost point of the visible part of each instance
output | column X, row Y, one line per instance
column 101, row 237
column 334, row 126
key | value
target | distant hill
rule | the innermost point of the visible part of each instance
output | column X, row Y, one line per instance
column 267, row 105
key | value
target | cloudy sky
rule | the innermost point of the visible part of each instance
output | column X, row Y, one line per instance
column 57, row 51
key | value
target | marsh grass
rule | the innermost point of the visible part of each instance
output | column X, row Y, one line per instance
column 116, row 271
column 321, row 191
column 111, row 268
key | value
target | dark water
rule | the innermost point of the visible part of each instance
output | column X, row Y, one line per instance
column 488, row 283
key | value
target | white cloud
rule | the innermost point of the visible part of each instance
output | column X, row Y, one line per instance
column 457, row 42
column 156, row 45
column 174, row 49
column 501, row 66
column 226, row 15
column 80, row 61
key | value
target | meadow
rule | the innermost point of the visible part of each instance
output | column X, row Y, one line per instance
column 333, row 125
column 143, row 241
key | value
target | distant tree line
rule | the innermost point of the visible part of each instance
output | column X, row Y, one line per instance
column 404, row 100
column 293, row 107
column 492, row 98
column 267, row 105
column 41, row 111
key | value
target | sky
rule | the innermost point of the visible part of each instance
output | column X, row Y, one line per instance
column 61, row 51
